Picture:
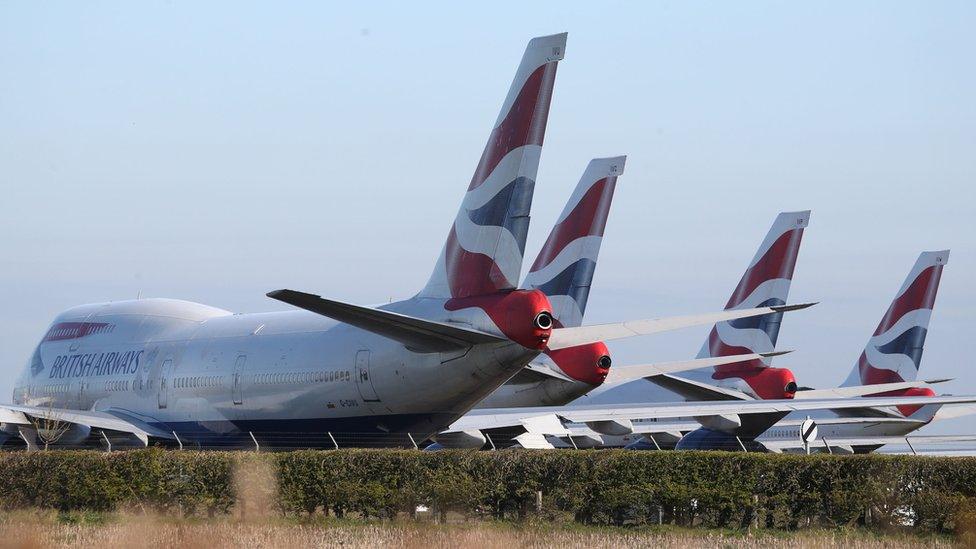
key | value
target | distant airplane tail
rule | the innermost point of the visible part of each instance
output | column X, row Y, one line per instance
column 894, row 351
column 484, row 248
column 765, row 282
column 565, row 265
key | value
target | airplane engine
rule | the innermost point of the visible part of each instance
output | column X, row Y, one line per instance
column 708, row 439
column 726, row 422
column 616, row 427
column 75, row 434
column 467, row 440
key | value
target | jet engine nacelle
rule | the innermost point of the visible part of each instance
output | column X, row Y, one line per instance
column 467, row 440
column 612, row 427
column 725, row 422
column 707, row 439
column 75, row 434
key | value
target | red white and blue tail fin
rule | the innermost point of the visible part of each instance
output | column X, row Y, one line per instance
column 894, row 351
column 484, row 249
column 766, row 282
column 565, row 265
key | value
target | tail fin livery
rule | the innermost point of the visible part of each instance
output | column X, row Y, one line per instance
column 894, row 351
column 766, row 282
column 483, row 252
column 565, row 265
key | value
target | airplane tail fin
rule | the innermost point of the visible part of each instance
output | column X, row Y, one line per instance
column 894, row 351
column 565, row 265
column 766, row 282
column 483, row 252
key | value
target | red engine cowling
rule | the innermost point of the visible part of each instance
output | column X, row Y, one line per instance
column 766, row 383
column 587, row 363
column 524, row 316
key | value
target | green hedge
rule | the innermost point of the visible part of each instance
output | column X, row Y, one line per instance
column 592, row 487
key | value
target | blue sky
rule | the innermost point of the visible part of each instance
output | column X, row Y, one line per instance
column 215, row 152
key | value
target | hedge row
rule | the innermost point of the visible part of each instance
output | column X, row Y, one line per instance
column 616, row 487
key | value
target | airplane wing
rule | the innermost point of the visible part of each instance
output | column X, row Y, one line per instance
column 493, row 418
column 853, row 442
column 582, row 335
column 862, row 390
column 955, row 411
column 416, row 333
column 23, row 415
column 697, row 390
column 627, row 372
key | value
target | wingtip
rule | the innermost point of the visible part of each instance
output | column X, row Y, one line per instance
column 775, row 353
column 796, row 307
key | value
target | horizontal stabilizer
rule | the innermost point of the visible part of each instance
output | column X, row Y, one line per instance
column 634, row 371
column 417, row 334
column 571, row 337
column 861, row 390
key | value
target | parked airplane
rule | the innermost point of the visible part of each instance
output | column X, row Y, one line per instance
column 888, row 366
column 169, row 369
column 767, row 278
column 564, row 271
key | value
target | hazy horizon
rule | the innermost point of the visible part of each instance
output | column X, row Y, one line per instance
column 216, row 152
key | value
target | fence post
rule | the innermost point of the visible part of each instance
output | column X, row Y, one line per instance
column 415, row 447
column 654, row 440
column 538, row 501
column 910, row 447
column 755, row 511
column 334, row 443
column 487, row 436
column 178, row 441
column 109, row 442
column 257, row 447
column 741, row 445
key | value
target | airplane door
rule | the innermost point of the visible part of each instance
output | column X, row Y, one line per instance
column 81, row 393
column 162, row 392
column 363, row 382
column 239, row 379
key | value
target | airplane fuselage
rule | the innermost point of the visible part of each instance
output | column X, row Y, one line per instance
column 204, row 372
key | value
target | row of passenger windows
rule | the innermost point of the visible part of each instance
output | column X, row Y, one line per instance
column 196, row 381
column 193, row 382
column 783, row 433
column 117, row 385
column 39, row 390
column 330, row 376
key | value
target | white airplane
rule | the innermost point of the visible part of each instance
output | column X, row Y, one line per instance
column 131, row 371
